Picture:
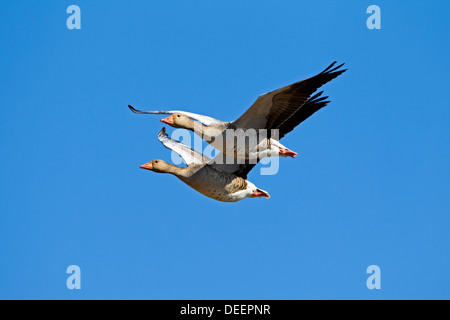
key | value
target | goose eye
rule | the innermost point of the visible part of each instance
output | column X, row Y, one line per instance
column 178, row 116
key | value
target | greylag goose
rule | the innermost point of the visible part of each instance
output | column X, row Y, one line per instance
column 274, row 114
column 222, row 182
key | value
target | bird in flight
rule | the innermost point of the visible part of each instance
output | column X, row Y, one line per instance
column 275, row 113
column 253, row 136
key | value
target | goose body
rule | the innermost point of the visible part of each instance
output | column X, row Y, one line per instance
column 221, row 186
column 222, row 182
column 269, row 119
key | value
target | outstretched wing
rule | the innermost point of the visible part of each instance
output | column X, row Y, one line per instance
column 312, row 105
column 272, row 109
column 189, row 155
column 207, row 121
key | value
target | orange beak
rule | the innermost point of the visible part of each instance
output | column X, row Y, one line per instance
column 147, row 166
column 168, row 120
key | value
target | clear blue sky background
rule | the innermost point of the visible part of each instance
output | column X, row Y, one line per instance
column 371, row 184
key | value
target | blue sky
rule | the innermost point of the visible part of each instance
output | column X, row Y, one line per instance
column 371, row 184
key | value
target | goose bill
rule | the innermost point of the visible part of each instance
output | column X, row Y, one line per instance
column 168, row 120
column 260, row 193
column 147, row 166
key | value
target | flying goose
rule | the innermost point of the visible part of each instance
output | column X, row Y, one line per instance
column 281, row 110
column 222, row 182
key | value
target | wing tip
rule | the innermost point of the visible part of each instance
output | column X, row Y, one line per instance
column 334, row 70
column 162, row 134
column 133, row 109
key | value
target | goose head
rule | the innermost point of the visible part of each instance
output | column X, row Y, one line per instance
column 177, row 120
column 159, row 166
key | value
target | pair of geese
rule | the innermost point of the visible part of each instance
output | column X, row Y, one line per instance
column 275, row 114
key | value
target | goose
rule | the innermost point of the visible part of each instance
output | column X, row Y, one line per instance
column 222, row 182
column 278, row 111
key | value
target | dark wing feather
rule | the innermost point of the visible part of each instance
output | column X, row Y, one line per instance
column 312, row 105
column 272, row 109
column 287, row 101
